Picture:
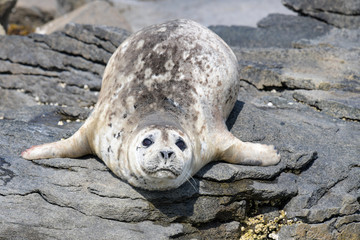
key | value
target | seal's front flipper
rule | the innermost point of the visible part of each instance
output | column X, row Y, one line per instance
column 75, row 146
column 232, row 150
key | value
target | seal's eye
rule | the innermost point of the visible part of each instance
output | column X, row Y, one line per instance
column 147, row 142
column 181, row 144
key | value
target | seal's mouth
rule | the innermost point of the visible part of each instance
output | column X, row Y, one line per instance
column 163, row 173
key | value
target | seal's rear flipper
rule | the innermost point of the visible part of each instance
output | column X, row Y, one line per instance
column 233, row 150
column 248, row 153
column 75, row 146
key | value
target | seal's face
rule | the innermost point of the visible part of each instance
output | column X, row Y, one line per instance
column 160, row 158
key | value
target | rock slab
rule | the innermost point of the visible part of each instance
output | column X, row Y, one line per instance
column 5, row 9
column 290, row 97
column 343, row 14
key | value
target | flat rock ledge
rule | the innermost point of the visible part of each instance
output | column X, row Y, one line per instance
column 302, row 96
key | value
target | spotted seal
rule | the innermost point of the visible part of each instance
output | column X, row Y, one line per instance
column 160, row 117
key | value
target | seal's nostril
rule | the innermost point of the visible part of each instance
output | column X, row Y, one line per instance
column 166, row 154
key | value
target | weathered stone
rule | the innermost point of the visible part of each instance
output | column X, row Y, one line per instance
column 321, row 68
column 337, row 12
column 276, row 30
column 14, row 99
column 55, row 68
column 106, row 37
column 66, row 6
column 342, row 38
column 2, row 30
column 34, row 217
column 94, row 12
column 33, row 14
column 306, row 231
column 5, row 9
column 340, row 104
column 316, row 181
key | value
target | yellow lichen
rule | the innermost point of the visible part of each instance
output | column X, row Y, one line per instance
column 15, row 29
column 260, row 227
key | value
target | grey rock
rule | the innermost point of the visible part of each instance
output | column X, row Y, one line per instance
column 320, row 68
column 287, row 232
column 342, row 38
column 351, row 7
column 340, row 104
column 292, row 98
column 106, row 37
column 59, row 69
column 31, row 16
column 65, row 6
column 5, row 9
column 33, row 217
column 338, row 13
column 276, row 30
column 13, row 99
column 94, row 12
column 2, row 30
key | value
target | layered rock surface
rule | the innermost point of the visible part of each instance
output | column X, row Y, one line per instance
column 336, row 12
column 302, row 97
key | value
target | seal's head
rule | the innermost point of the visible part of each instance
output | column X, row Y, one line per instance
column 160, row 157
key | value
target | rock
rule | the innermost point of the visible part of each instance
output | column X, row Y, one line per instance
column 298, row 99
column 320, row 68
column 2, row 30
column 33, row 13
column 276, row 30
column 14, row 99
column 53, row 69
column 46, row 6
column 140, row 13
column 5, row 9
column 66, row 6
column 342, row 38
column 339, row 104
column 33, row 208
column 337, row 12
column 96, row 12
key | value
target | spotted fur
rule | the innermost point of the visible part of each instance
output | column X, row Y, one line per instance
column 172, row 82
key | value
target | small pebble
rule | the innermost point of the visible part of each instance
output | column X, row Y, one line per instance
column 274, row 236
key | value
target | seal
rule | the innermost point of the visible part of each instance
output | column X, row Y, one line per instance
column 160, row 117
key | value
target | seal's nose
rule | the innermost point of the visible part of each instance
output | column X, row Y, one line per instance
column 166, row 154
